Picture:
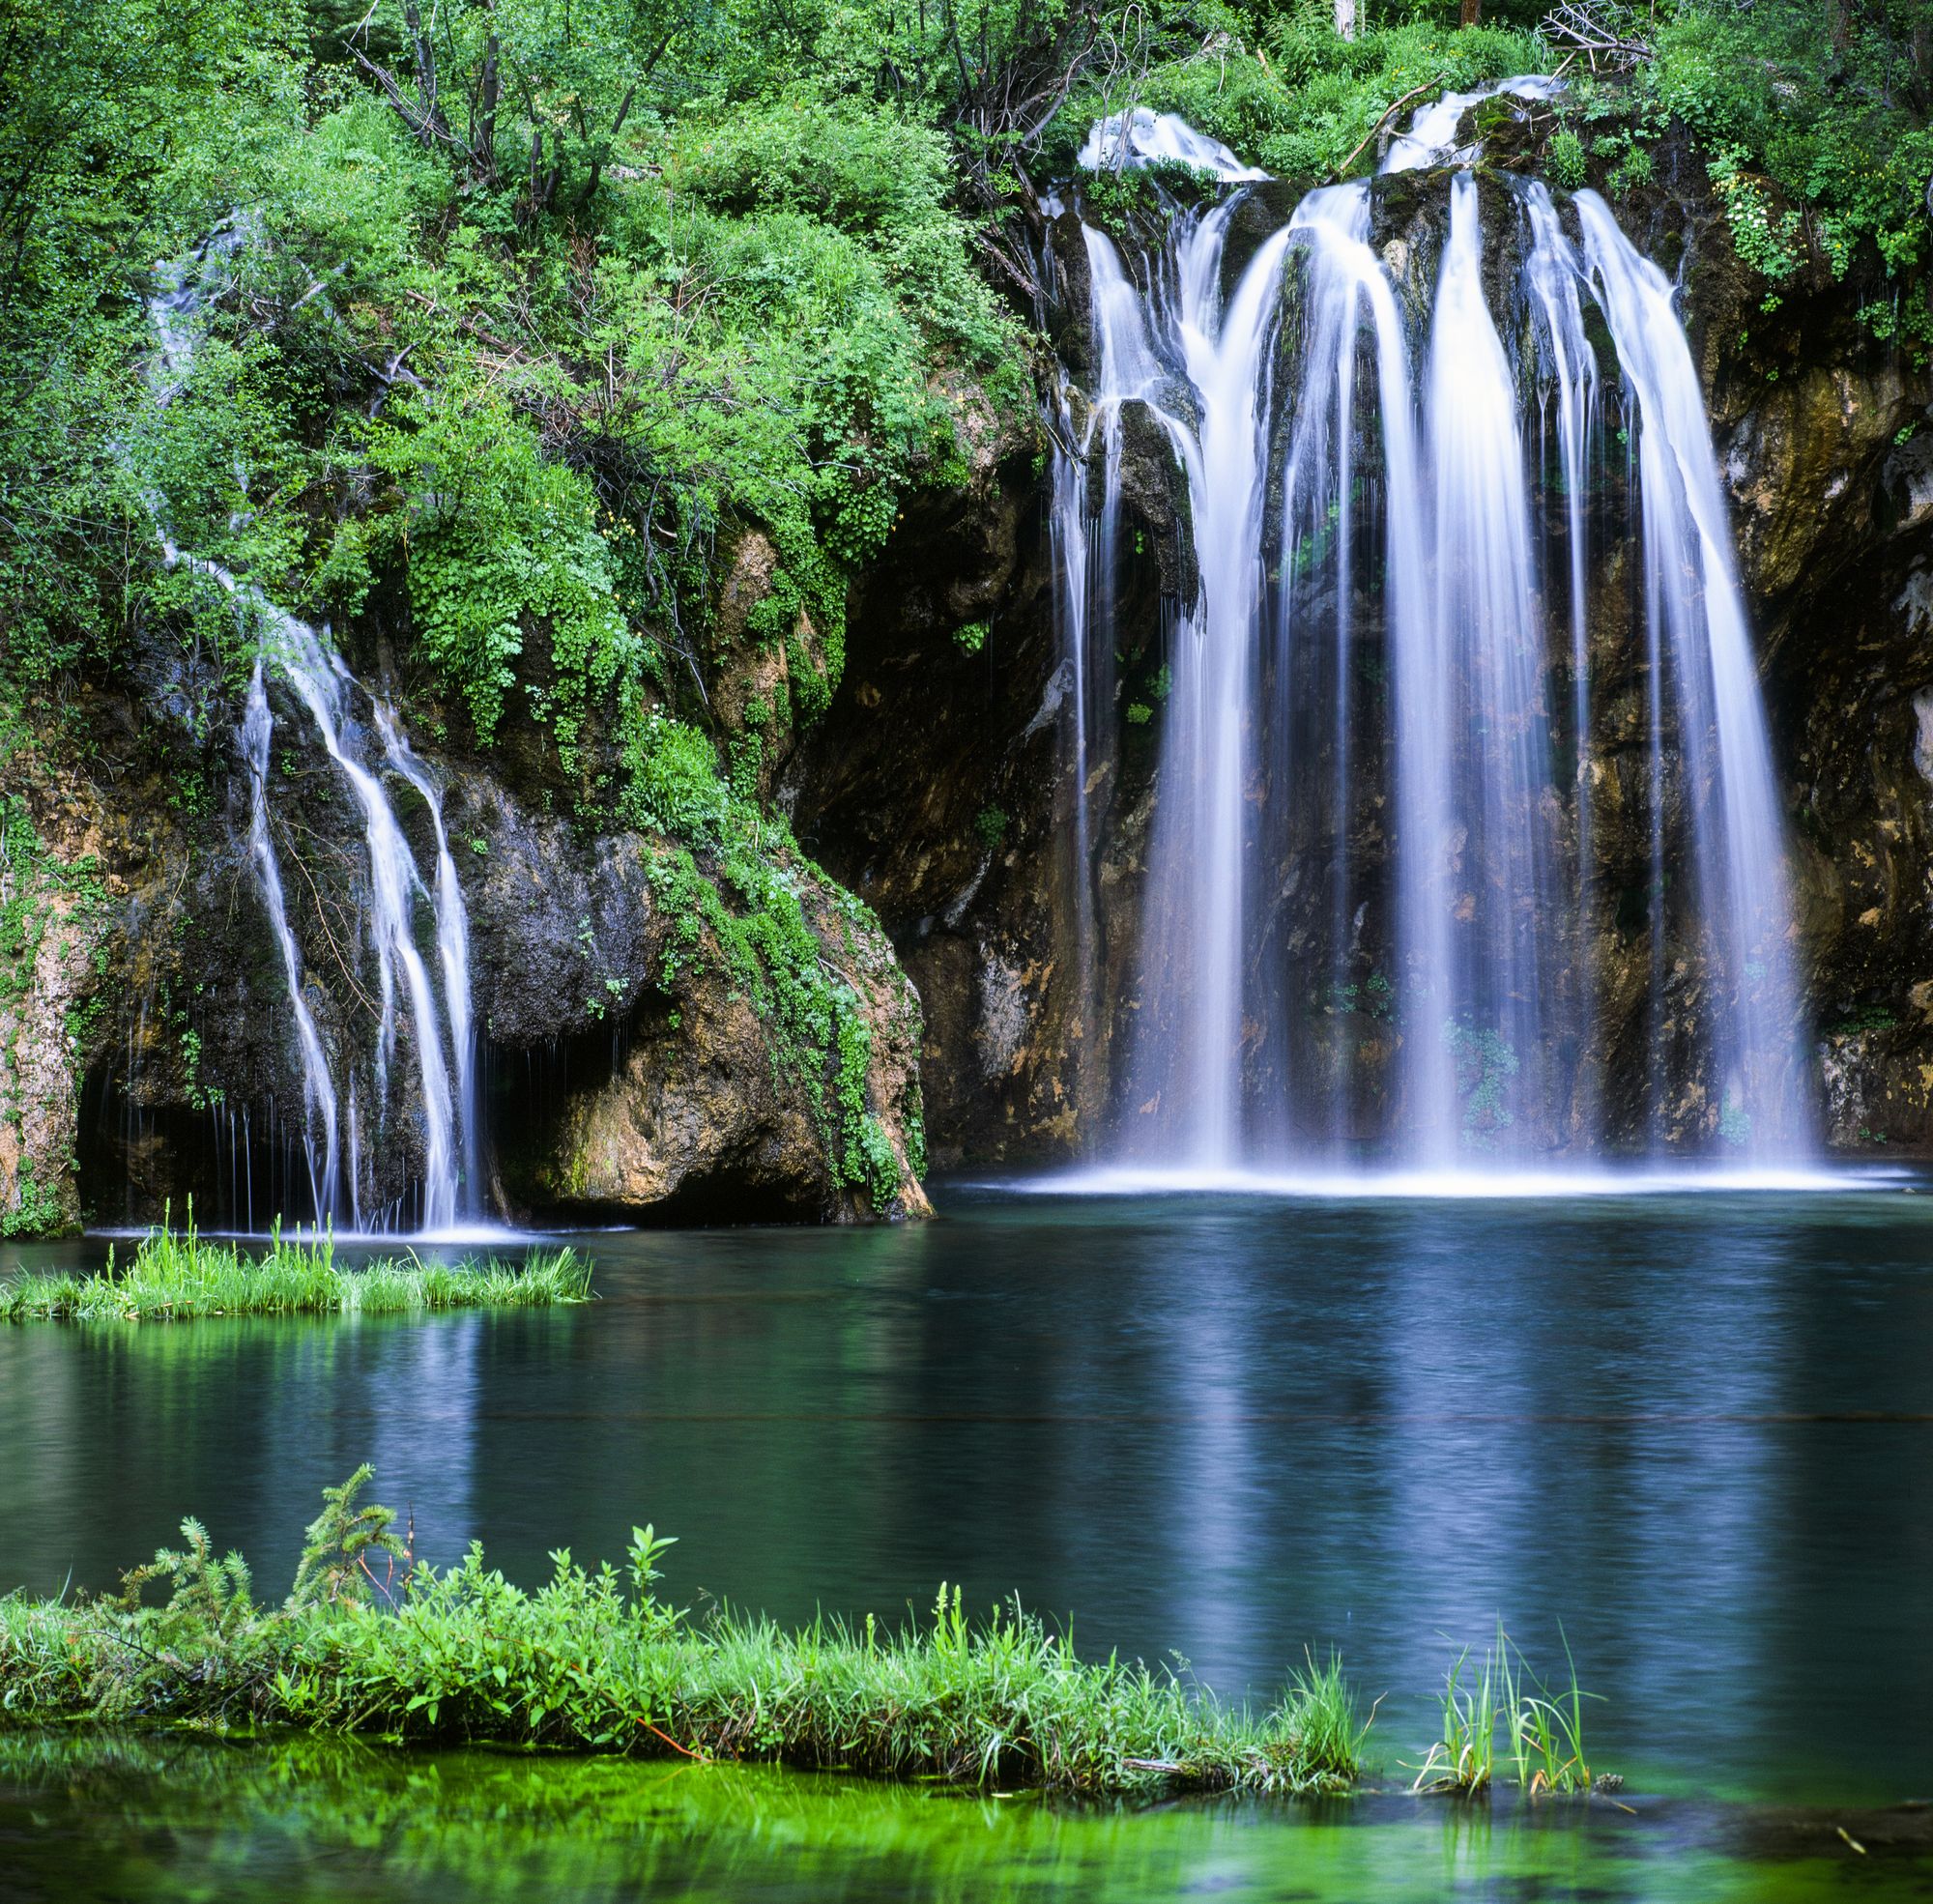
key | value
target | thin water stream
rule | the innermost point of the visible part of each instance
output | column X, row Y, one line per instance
column 439, row 1106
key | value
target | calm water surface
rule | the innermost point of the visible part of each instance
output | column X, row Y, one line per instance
column 1697, row 1431
column 103, row 1820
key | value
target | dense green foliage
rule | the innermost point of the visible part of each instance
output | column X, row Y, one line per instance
column 528, row 395
column 528, row 335
column 176, row 1275
column 1813, row 115
column 509, row 320
column 370, row 1641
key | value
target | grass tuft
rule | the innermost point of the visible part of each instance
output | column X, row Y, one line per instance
column 179, row 1275
column 371, row 1641
column 1542, row 1733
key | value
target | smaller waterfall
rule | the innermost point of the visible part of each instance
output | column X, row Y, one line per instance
column 320, row 1146
column 1696, row 613
column 1143, row 137
column 321, row 681
column 452, row 942
column 452, row 1175
column 1431, row 138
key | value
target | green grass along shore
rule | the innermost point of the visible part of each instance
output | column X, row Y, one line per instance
column 177, row 1275
column 371, row 1641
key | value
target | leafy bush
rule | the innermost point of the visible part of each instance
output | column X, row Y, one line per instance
column 1831, row 131
column 1566, row 159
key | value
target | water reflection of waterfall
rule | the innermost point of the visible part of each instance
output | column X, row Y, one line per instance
column 1387, row 910
column 339, row 1137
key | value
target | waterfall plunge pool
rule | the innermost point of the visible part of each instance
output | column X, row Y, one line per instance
column 1693, row 1428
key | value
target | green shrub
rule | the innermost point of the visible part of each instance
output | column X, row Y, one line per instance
column 672, row 782
column 595, row 1660
column 1564, row 159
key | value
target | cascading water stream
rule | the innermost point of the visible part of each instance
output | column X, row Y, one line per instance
column 321, row 682
column 1568, row 381
column 318, row 1087
column 1346, row 292
column 1476, row 912
column 1692, row 593
column 452, row 942
column 1414, row 543
column 1191, row 1059
column 450, row 1177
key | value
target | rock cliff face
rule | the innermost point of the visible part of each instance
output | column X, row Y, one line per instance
column 632, row 1068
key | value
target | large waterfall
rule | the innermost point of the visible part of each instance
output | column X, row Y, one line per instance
column 337, row 1136
column 1465, row 849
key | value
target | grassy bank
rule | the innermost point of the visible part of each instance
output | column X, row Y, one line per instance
column 176, row 1275
column 370, row 1641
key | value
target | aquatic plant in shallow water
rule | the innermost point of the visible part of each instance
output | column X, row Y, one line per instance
column 1542, row 1733
column 177, row 1275
column 373, row 1641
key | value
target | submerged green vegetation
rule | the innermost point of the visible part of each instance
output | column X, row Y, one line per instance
column 109, row 1814
column 177, row 1275
column 371, row 1640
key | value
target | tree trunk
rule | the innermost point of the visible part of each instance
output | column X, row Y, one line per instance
column 1473, row 14
column 1345, row 18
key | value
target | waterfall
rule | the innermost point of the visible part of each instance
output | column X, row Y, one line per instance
column 321, row 682
column 1070, row 541
column 319, row 1144
column 1377, row 888
column 1476, row 907
column 1346, row 291
column 441, row 1029
column 1187, row 1061
column 1694, row 605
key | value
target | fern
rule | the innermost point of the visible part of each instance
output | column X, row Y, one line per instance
column 340, row 1543
column 212, row 1596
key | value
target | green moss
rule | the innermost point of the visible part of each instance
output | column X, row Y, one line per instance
column 39, row 892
